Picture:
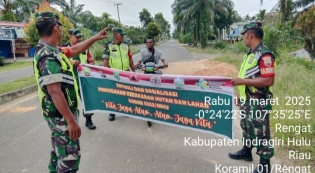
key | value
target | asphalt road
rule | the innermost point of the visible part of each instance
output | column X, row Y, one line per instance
column 11, row 75
column 125, row 145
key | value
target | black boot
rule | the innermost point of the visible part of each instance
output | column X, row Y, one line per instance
column 111, row 117
column 244, row 153
column 263, row 167
column 89, row 123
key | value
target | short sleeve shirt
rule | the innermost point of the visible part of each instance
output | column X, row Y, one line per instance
column 50, row 72
column 49, row 67
column 145, row 54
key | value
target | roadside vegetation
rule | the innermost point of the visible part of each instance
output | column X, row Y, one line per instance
column 286, row 30
column 293, row 87
column 17, row 84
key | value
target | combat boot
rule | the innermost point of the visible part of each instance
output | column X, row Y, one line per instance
column 89, row 123
column 111, row 117
column 263, row 167
column 244, row 153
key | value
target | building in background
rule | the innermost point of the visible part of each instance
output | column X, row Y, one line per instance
column 235, row 32
column 12, row 43
column 302, row 53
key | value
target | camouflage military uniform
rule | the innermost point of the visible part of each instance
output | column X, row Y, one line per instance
column 256, row 124
column 65, row 153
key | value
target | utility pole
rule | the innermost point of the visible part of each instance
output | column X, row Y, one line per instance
column 118, row 10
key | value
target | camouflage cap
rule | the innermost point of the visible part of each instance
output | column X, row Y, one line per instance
column 76, row 32
column 119, row 30
column 252, row 26
column 47, row 17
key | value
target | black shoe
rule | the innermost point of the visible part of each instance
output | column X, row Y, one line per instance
column 89, row 123
column 111, row 117
column 263, row 167
column 244, row 153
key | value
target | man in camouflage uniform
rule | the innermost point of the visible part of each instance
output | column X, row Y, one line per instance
column 57, row 90
column 254, row 83
column 75, row 38
column 117, row 55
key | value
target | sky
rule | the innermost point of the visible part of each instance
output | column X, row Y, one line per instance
column 129, row 9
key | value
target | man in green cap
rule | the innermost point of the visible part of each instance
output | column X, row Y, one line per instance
column 254, row 82
column 117, row 55
column 58, row 91
column 86, row 58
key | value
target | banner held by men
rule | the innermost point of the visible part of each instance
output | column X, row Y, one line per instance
column 196, row 102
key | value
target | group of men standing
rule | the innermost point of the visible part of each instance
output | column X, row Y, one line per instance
column 55, row 69
column 58, row 89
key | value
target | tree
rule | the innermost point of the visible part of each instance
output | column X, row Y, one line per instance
column 106, row 20
column 72, row 11
column 306, row 27
column 224, row 17
column 32, row 36
column 165, row 26
column 287, row 6
column 9, row 16
column 236, row 17
column 135, row 34
column 153, row 29
column 261, row 15
column 145, row 17
column 198, row 16
column 24, row 9
column 6, row 6
column 88, row 20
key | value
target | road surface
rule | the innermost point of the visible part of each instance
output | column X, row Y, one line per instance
column 125, row 145
column 12, row 75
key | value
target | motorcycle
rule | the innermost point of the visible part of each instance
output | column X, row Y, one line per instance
column 151, row 68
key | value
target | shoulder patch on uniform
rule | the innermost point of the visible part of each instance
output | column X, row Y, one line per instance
column 267, row 60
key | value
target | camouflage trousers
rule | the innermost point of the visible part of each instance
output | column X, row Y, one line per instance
column 65, row 153
column 256, row 129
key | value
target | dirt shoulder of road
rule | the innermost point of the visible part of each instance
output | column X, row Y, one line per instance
column 203, row 67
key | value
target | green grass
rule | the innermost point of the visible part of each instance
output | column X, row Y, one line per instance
column 14, row 66
column 17, row 84
column 294, row 79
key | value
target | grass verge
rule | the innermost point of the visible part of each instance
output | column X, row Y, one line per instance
column 294, row 89
column 14, row 66
column 17, row 84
